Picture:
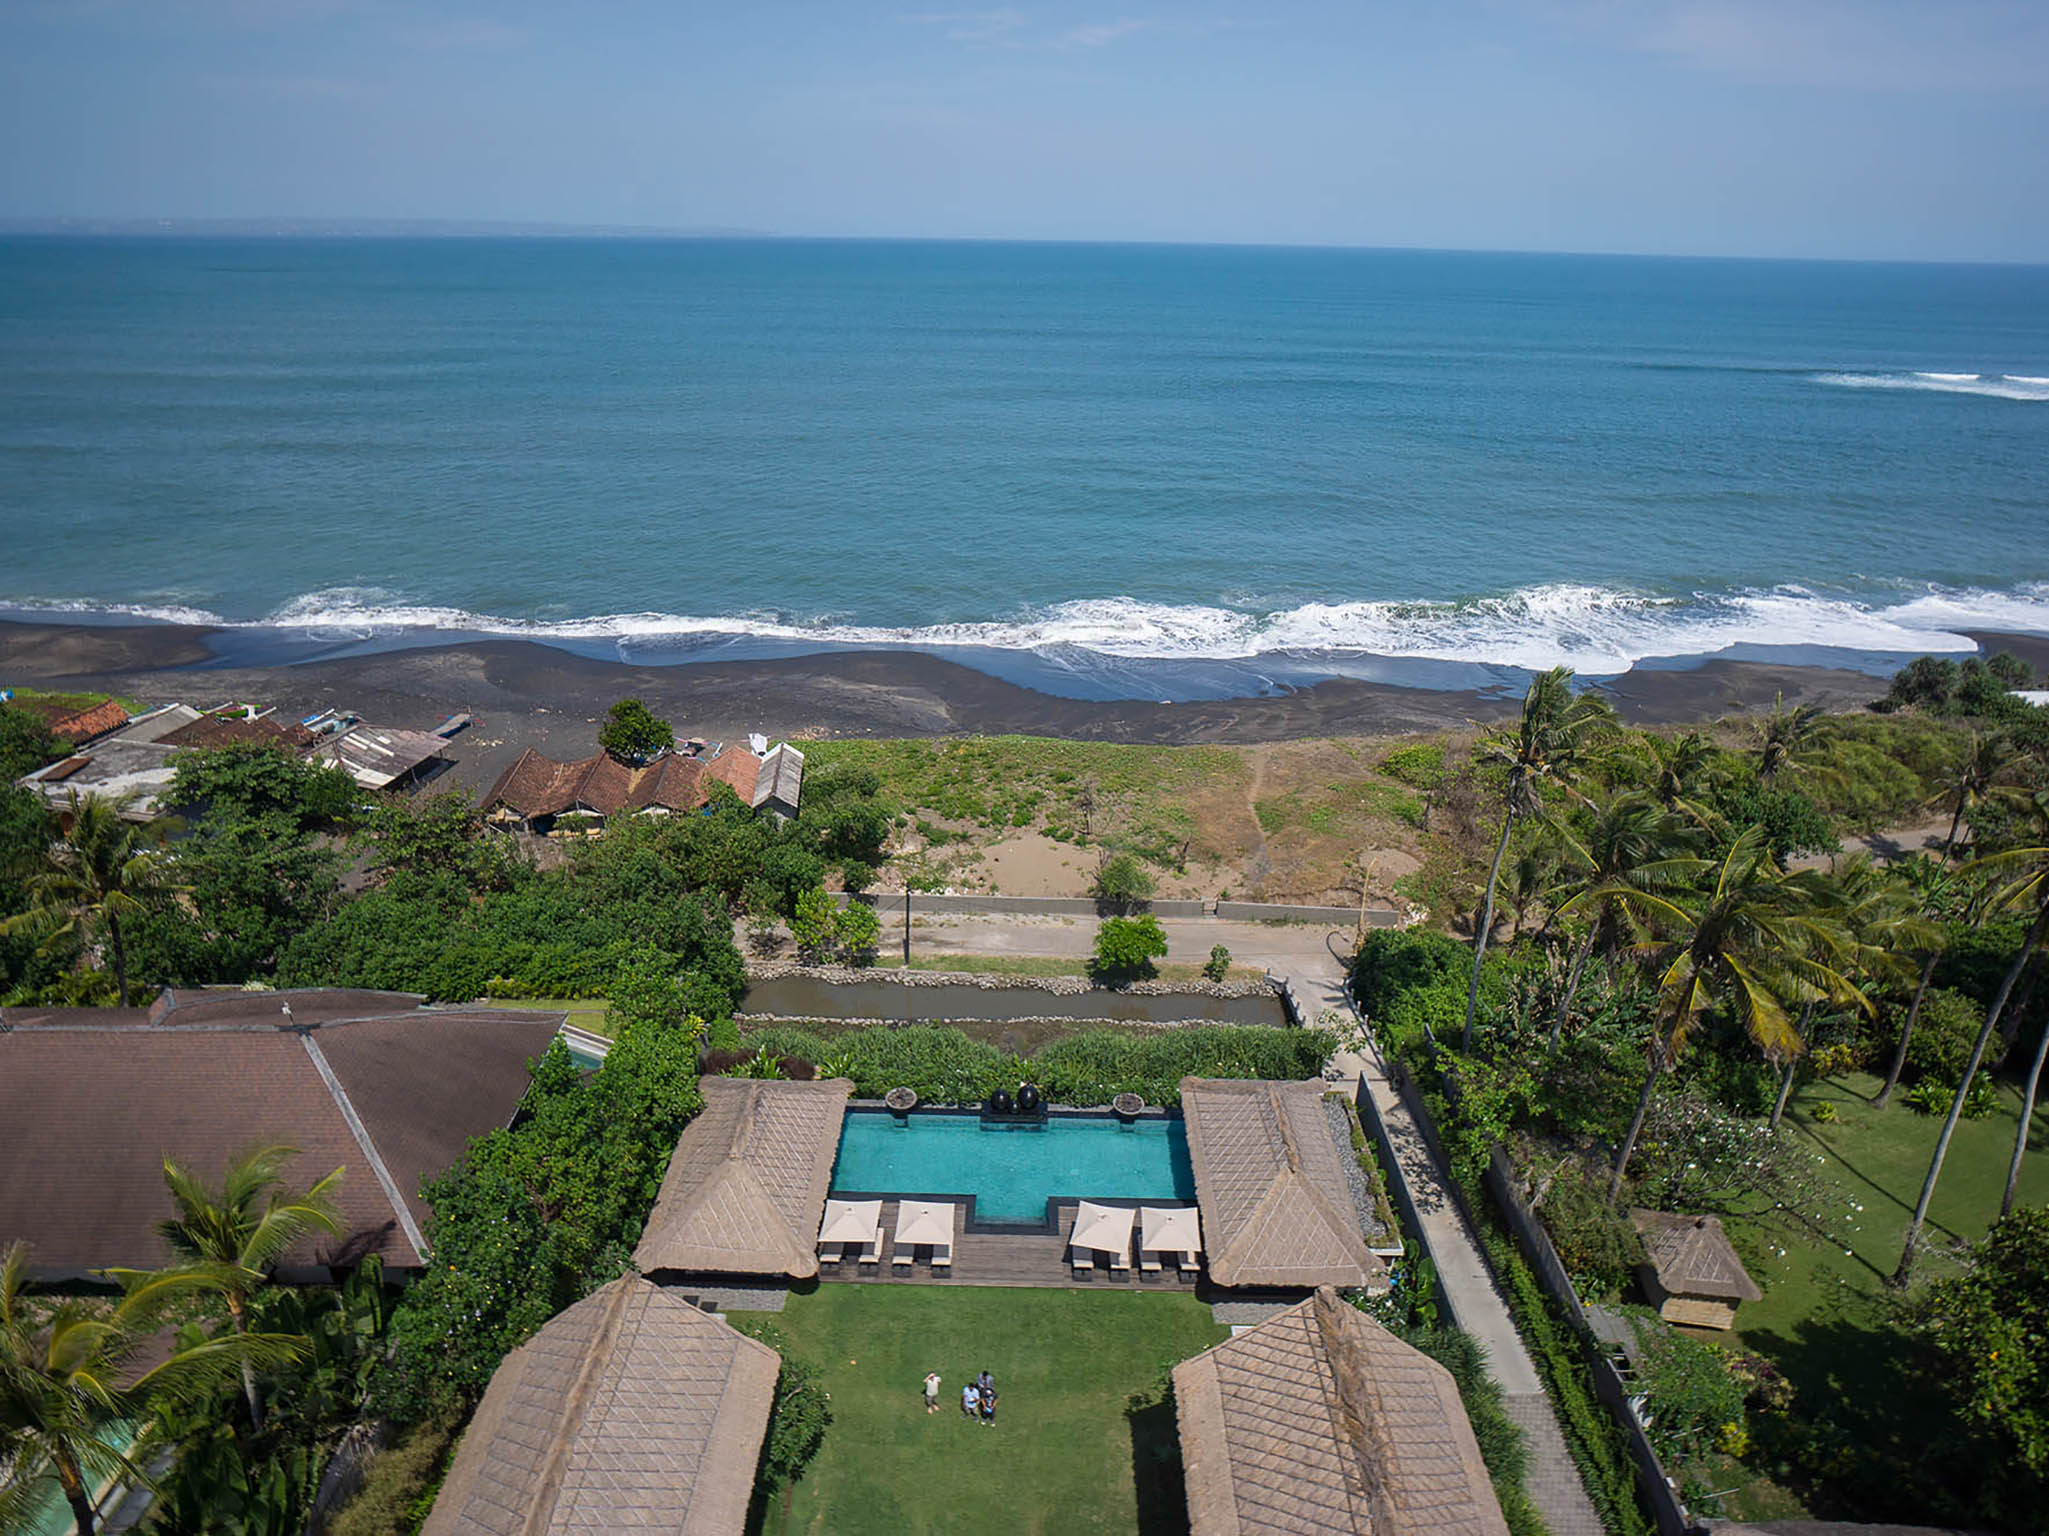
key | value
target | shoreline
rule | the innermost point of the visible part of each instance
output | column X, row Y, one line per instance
column 526, row 694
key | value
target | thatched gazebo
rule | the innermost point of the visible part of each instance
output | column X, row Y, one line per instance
column 1691, row 1274
column 1321, row 1421
column 745, row 1189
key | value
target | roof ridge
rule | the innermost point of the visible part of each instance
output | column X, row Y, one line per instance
column 1356, row 1408
column 576, row 1404
column 361, row 1132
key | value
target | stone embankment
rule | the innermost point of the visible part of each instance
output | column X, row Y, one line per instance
column 1055, row 986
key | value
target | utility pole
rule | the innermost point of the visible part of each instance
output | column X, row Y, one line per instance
column 907, row 926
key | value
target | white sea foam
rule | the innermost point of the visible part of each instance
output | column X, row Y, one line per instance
column 1996, row 386
column 1596, row 630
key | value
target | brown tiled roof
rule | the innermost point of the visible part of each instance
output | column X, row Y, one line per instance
column 630, row 1411
column 93, row 1109
column 1693, row 1256
column 1276, row 1207
column 746, row 1186
column 539, row 786
column 85, row 724
column 211, row 731
column 309, row 1005
column 1319, row 1422
column 671, row 782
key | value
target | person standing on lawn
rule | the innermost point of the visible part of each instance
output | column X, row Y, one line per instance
column 931, row 1391
column 970, row 1402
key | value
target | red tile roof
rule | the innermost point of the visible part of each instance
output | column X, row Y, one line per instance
column 86, row 724
column 739, row 769
column 539, row 786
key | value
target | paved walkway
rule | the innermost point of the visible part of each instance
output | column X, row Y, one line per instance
column 1300, row 952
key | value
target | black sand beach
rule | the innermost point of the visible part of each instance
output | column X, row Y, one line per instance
column 527, row 694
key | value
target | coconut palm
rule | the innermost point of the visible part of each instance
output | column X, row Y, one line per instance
column 1786, row 737
column 2026, row 886
column 1548, row 745
column 64, row 1383
column 1752, row 941
column 92, row 877
column 229, row 1241
column 1633, row 843
column 1677, row 768
column 1932, row 887
column 1977, row 778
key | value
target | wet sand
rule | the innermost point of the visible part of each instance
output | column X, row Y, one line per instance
column 526, row 694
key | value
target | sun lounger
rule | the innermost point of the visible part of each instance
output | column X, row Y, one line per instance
column 1190, row 1264
column 831, row 1253
column 1148, row 1261
column 942, row 1256
column 902, row 1258
column 1084, row 1260
column 872, row 1252
column 1120, row 1261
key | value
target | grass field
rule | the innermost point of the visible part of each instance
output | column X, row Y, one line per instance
column 584, row 1012
column 1822, row 1320
column 1064, row 1456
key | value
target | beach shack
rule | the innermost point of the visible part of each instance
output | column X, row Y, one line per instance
column 1691, row 1273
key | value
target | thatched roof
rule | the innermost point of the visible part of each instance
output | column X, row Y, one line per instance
column 1276, row 1207
column 632, row 1410
column 746, row 1187
column 1319, row 1422
column 1693, row 1256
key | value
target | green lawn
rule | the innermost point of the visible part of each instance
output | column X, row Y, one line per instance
column 1063, row 1453
column 1822, row 1317
column 584, row 1012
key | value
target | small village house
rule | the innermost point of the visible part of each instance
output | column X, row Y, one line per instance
column 1691, row 1273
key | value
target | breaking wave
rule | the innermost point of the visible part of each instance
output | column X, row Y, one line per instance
column 1997, row 386
column 1595, row 630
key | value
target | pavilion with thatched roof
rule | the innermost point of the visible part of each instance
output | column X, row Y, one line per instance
column 1277, row 1210
column 745, row 1190
column 631, row 1410
column 1319, row 1422
column 1691, row 1273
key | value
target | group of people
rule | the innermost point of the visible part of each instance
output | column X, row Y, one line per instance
column 977, row 1398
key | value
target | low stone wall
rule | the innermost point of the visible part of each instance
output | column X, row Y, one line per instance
column 933, row 904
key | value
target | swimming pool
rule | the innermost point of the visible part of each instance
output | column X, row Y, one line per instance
column 1012, row 1171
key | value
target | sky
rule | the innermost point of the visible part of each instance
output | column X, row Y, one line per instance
column 1876, row 129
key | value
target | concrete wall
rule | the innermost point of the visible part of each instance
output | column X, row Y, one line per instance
column 925, row 903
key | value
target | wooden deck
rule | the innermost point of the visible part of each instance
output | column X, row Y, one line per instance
column 1026, row 1258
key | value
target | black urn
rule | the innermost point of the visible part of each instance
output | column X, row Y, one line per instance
column 999, row 1102
column 1027, row 1099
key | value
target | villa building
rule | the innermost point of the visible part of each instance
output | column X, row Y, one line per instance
column 538, row 794
column 372, row 1083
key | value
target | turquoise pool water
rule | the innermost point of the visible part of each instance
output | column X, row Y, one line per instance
column 1012, row 1171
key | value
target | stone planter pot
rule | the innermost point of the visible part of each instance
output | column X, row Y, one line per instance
column 901, row 1100
column 1127, row 1105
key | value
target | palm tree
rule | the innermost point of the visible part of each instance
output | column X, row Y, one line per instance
column 62, row 1388
column 1548, row 745
column 1977, row 778
column 2030, row 887
column 1786, row 736
column 229, row 1242
column 1931, row 887
column 92, row 876
column 1634, row 843
column 1678, row 767
column 1750, row 941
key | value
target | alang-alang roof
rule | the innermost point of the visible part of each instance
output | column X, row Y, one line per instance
column 630, row 1411
column 745, row 1190
column 1319, row 1422
column 1276, row 1206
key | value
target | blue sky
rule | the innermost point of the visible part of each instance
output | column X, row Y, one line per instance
column 1860, row 128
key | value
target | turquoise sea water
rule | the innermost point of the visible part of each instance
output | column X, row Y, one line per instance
column 1013, row 1171
column 1128, row 463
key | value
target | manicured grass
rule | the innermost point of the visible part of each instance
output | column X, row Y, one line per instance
column 1822, row 1320
column 1063, row 1454
column 584, row 1012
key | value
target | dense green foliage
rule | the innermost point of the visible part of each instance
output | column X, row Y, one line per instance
column 25, row 743
column 537, row 1215
column 1695, row 1399
column 1984, row 1342
column 1091, row 1067
column 633, row 734
column 1122, row 882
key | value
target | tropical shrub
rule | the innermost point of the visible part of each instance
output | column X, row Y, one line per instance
column 1126, row 947
column 1419, row 765
column 1122, row 882
column 856, row 931
column 1695, row 1401
column 1218, row 966
column 1599, row 1246
column 632, row 734
column 1944, row 1034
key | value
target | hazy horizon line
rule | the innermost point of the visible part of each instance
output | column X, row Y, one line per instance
column 315, row 228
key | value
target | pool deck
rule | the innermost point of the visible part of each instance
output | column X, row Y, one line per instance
column 1021, row 1258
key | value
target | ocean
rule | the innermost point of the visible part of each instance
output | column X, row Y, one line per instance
column 1108, row 470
